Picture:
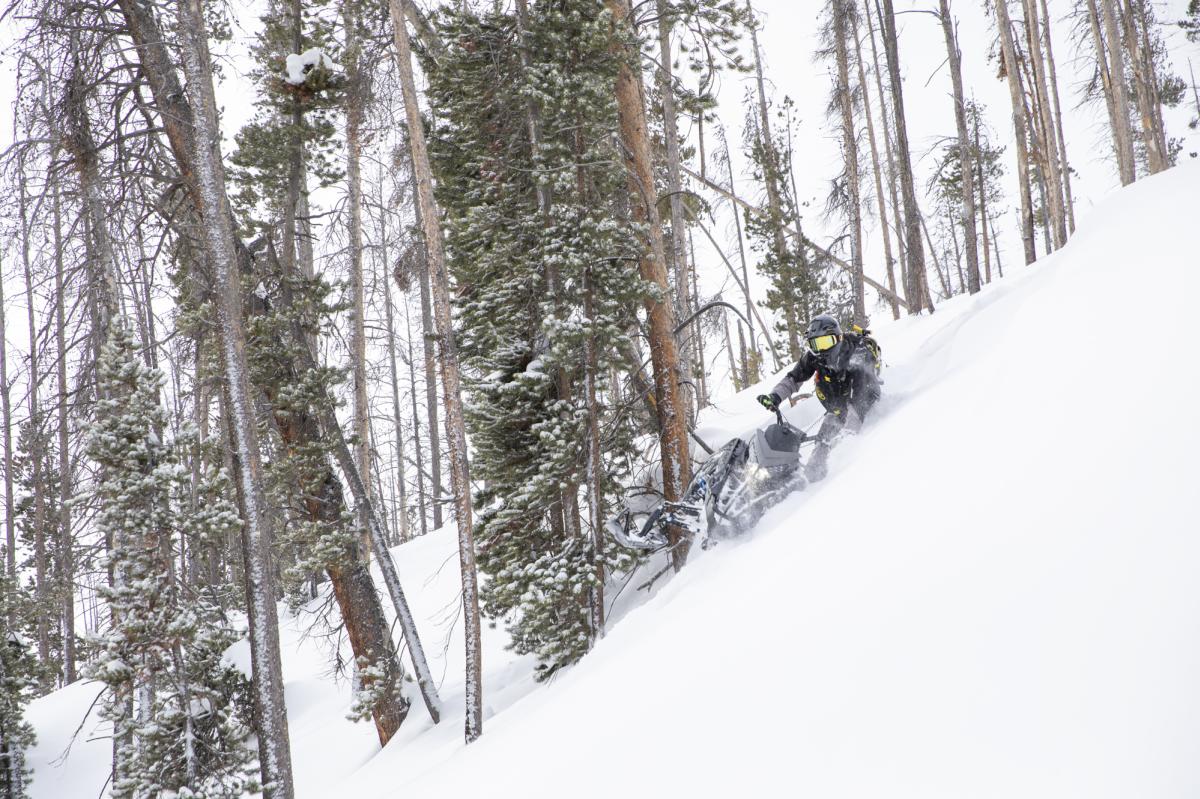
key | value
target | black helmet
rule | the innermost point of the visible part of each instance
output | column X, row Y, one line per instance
column 824, row 336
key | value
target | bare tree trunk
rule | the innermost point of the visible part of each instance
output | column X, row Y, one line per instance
column 66, row 553
column 439, row 283
column 1143, row 85
column 875, row 164
column 1051, row 158
column 1123, row 132
column 679, row 260
column 1105, row 75
column 983, row 215
column 965, row 156
column 1058, row 129
column 401, row 482
column 1017, row 96
column 1195, row 88
column 358, row 334
column 422, row 516
column 701, row 361
column 1153, row 84
column 635, row 141
column 996, row 245
column 889, row 151
column 428, row 335
column 37, row 452
column 737, row 369
column 917, row 292
column 209, row 177
column 841, row 32
column 958, row 259
column 937, row 263
column 10, row 528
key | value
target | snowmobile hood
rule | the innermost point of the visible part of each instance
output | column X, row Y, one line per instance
column 777, row 447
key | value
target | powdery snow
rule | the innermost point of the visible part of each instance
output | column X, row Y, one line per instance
column 993, row 594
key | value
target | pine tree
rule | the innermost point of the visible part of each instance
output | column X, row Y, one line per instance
column 19, row 676
column 538, row 234
column 179, row 715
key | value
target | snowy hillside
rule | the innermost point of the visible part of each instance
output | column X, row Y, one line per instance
column 993, row 594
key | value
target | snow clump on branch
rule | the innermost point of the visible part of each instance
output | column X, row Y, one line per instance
column 299, row 65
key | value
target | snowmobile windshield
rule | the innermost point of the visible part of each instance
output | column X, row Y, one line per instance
column 823, row 343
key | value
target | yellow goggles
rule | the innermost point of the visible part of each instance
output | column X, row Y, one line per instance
column 822, row 343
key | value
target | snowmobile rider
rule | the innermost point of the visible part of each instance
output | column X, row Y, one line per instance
column 845, row 366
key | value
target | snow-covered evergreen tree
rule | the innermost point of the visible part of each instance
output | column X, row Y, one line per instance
column 178, row 712
column 534, row 194
column 18, row 680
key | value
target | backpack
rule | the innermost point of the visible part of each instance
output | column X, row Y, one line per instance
column 870, row 345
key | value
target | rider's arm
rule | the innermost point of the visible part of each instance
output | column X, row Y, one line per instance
column 792, row 381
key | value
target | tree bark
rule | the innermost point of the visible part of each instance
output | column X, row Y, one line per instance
column 10, row 528
column 401, row 483
column 1143, row 85
column 917, row 292
column 937, row 264
column 36, row 452
column 66, row 554
column 1016, row 95
column 1058, row 129
column 1051, row 159
column 840, row 9
column 876, row 169
column 451, row 391
column 888, row 149
column 417, row 449
column 209, row 178
column 679, row 259
column 965, row 157
column 358, row 332
column 1105, row 76
column 635, row 142
column 428, row 336
column 1123, row 131
column 982, row 186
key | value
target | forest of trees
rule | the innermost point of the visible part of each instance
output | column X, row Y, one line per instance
column 447, row 273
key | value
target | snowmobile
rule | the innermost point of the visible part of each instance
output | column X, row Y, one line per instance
column 728, row 493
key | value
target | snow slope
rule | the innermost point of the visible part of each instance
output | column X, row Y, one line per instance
column 993, row 594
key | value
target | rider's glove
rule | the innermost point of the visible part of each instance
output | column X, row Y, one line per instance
column 769, row 401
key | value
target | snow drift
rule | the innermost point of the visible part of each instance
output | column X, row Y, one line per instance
column 993, row 594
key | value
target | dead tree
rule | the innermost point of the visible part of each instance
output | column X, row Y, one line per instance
column 1016, row 93
column 917, row 290
column 451, row 388
column 220, row 244
column 965, row 156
